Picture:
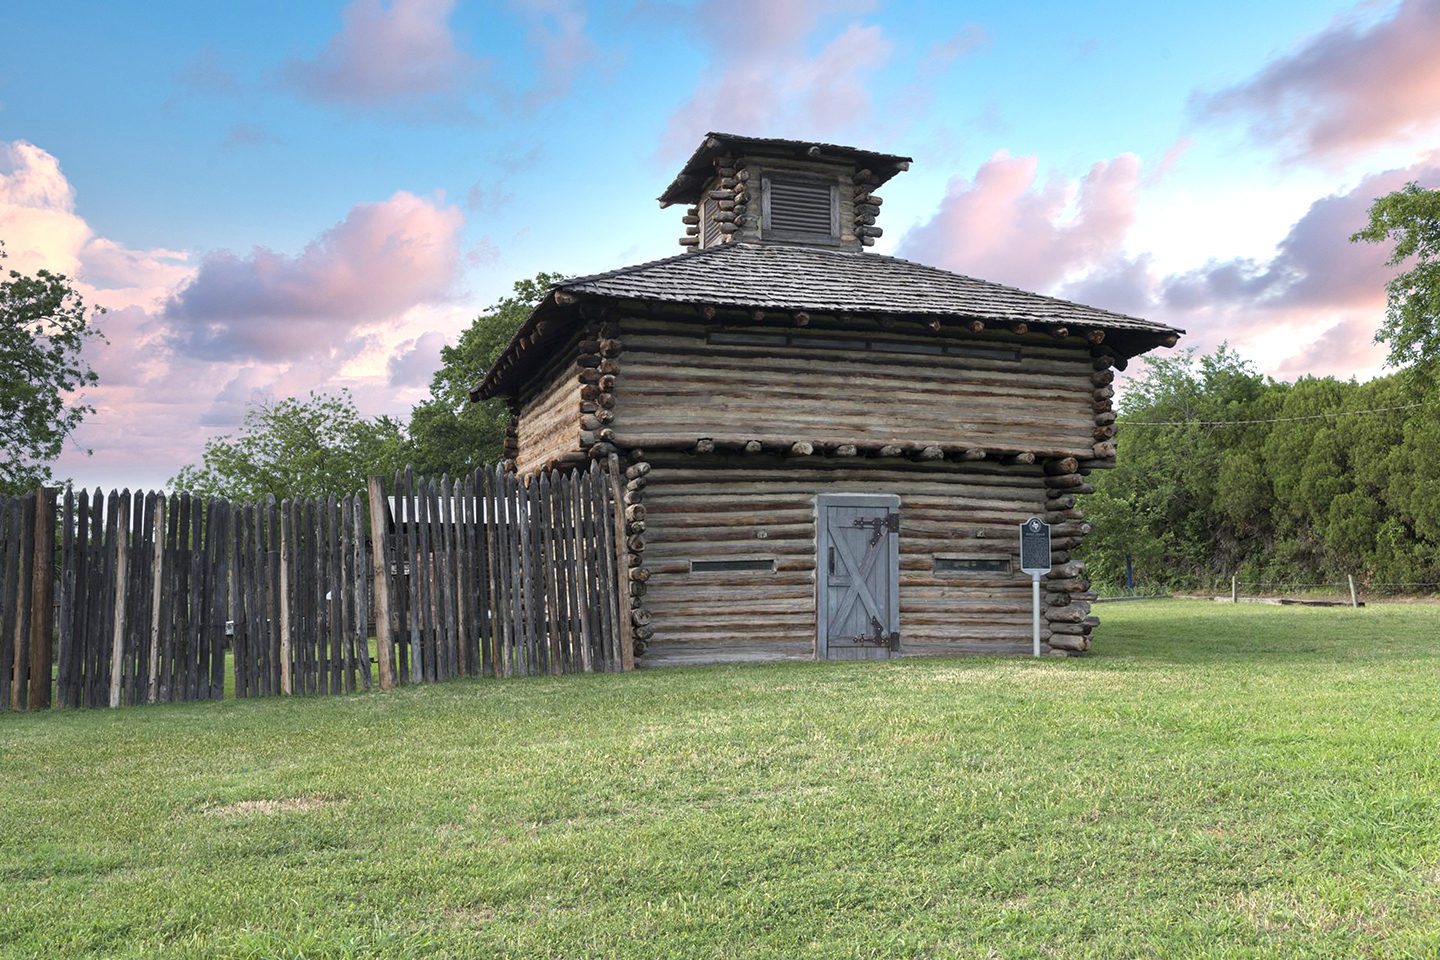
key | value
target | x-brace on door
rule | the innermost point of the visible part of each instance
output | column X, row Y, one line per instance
column 857, row 579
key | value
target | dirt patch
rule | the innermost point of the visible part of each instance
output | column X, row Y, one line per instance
column 246, row 807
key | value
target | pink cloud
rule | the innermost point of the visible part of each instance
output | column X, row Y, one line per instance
column 401, row 56
column 1349, row 88
column 189, row 348
column 380, row 261
column 764, row 79
column 1003, row 227
column 1311, row 307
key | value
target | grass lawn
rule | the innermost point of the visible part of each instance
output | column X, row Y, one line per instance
column 1216, row 781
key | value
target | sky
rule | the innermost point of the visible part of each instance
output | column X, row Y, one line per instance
column 275, row 198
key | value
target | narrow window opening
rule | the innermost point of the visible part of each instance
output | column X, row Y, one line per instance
column 751, row 565
column 971, row 565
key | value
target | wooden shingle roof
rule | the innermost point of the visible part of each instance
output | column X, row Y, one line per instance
column 794, row 278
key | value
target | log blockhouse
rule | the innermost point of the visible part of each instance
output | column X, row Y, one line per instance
column 826, row 452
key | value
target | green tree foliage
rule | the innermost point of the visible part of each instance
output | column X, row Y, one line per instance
column 297, row 448
column 1310, row 497
column 43, row 328
column 1411, row 218
column 448, row 433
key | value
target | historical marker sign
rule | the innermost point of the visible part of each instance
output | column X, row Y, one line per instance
column 1035, row 560
column 1035, row 546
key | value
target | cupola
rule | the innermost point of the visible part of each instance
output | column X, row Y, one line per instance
column 789, row 192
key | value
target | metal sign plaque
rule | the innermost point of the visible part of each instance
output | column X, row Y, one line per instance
column 1035, row 546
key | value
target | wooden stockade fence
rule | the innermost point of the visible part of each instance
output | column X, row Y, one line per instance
column 124, row 598
column 492, row 575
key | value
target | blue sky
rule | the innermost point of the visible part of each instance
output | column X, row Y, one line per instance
column 272, row 197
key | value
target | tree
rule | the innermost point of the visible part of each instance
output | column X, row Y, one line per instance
column 1411, row 218
column 43, row 328
column 297, row 448
column 448, row 433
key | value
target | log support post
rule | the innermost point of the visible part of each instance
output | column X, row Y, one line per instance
column 42, row 624
column 380, row 579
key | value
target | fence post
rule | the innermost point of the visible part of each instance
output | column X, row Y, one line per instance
column 157, row 563
column 122, row 556
column 42, row 624
column 622, row 570
column 380, row 580
column 1234, row 590
column 1354, row 594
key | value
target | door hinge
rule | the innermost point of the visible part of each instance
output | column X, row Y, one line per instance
column 877, row 637
column 890, row 522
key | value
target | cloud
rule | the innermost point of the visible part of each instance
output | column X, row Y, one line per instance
column 1003, row 227
column 248, row 135
column 1352, row 87
column 1311, row 307
column 763, row 79
column 380, row 261
column 971, row 38
column 415, row 361
column 557, row 29
column 401, row 57
column 190, row 347
column 207, row 74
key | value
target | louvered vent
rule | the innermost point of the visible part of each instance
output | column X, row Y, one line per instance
column 804, row 207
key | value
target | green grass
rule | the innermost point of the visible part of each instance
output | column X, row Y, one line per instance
column 1215, row 781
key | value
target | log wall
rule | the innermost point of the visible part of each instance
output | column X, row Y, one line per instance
column 739, row 507
column 548, row 426
column 678, row 387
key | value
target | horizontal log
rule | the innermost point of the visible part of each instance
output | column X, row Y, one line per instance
column 1105, row 449
column 1025, row 457
column 1066, row 571
column 637, row 470
column 1063, row 643
column 1064, row 502
column 705, row 445
column 753, row 446
column 1060, row 466
column 932, row 453
column 801, row 448
column 1105, row 432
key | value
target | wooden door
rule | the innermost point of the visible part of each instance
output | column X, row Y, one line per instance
column 857, row 580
